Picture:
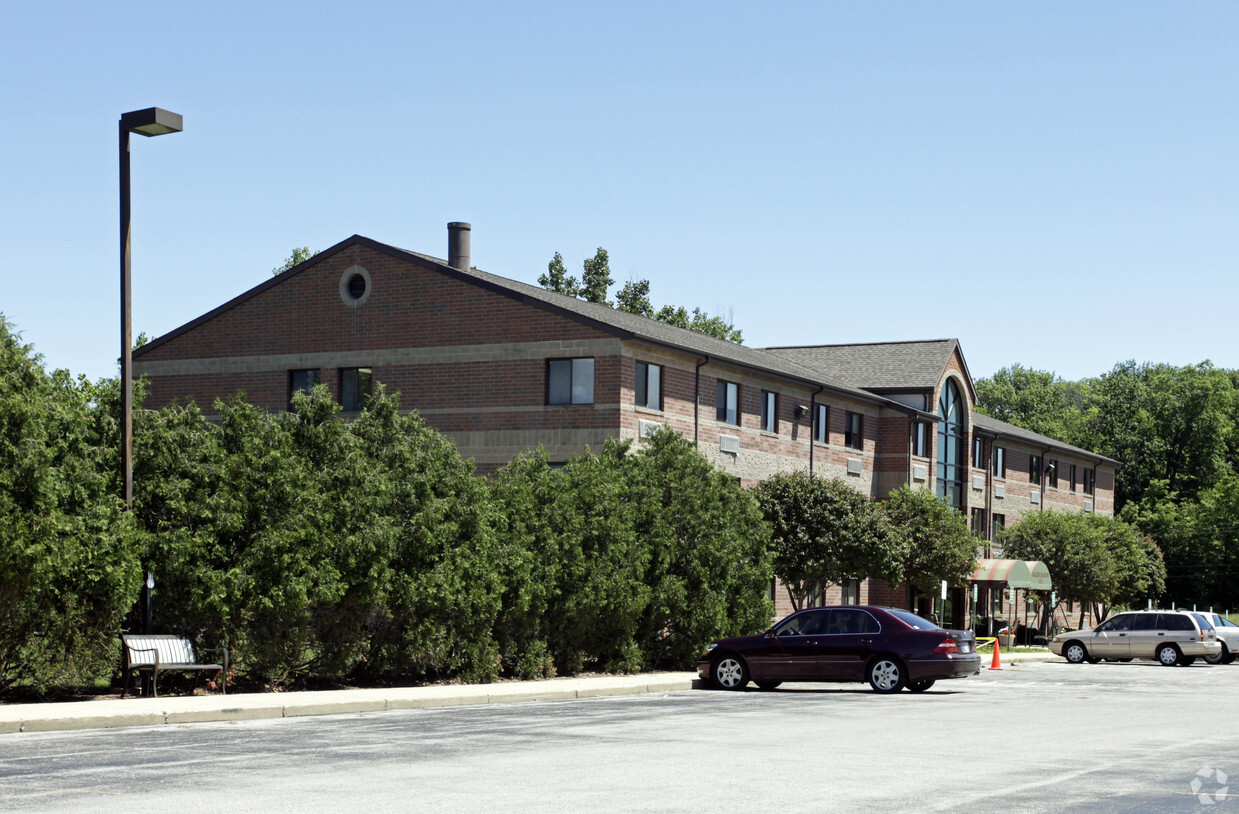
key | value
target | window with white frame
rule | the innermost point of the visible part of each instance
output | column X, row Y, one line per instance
column 821, row 427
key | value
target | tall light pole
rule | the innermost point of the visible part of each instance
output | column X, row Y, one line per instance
column 153, row 121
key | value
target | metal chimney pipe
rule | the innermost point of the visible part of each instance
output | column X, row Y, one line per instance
column 458, row 245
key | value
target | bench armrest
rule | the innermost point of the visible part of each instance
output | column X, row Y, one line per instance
column 223, row 650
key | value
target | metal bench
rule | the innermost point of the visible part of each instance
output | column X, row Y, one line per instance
column 156, row 654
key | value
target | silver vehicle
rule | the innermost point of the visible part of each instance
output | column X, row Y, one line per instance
column 1168, row 637
column 1228, row 634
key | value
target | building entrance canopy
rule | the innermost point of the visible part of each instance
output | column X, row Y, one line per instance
column 1014, row 574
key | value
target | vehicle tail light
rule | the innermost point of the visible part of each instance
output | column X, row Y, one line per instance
column 947, row 645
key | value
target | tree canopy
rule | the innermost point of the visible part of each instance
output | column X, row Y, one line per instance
column 69, row 566
column 824, row 532
column 1093, row 560
column 1175, row 432
column 299, row 256
column 633, row 298
column 938, row 543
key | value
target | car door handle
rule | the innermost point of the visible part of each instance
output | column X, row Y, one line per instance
column 1122, row 634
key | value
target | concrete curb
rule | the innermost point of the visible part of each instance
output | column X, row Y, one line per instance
column 111, row 713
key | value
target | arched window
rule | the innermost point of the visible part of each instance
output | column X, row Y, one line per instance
column 951, row 445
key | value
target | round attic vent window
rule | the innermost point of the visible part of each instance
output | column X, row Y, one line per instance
column 355, row 287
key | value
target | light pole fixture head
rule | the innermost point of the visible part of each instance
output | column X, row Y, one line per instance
column 154, row 121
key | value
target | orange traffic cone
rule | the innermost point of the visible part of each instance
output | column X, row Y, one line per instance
column 997, row 665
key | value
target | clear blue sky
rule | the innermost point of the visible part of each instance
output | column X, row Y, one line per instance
column 1055, row 184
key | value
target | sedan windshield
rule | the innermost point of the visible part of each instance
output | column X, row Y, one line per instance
column 912, row 620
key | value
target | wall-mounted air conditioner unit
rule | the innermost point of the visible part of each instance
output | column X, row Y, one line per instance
column 729, row 443
column 1000, row 490
column 646, row 428
column 855, row 466
column 978, row 482
column 920, row 472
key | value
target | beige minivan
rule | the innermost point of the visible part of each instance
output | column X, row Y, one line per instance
column 1168, row 637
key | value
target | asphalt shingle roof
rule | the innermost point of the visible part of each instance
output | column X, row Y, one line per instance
column 878, row 365
column 993, row 426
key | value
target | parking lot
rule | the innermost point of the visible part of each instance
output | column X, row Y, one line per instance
column 1035, row 737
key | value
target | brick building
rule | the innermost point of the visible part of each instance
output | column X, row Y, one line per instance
column 499, row 366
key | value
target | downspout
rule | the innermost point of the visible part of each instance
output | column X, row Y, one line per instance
column 908, row 476
column 813, row 418
column 697, row 400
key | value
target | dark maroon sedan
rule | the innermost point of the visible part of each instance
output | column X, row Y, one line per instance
column 889, row 648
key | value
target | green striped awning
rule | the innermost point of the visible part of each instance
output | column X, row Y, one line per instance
column 1014, row 573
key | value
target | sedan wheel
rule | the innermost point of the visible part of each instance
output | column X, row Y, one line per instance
column 920, row 686
column 1075, row 653
column 1220, row 657
column 1168, row 655
column 886, row 675
column 730, row 673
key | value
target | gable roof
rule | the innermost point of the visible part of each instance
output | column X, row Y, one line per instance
column 619, row 323
column 890, row 366
column 989, row 425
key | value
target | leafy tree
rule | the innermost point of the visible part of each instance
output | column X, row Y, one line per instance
column 1036, row 400
column 699, row 321
column 1139, row 567
column 299, row 255
column 625, row 559
column 1168, row 424
column 556, row 278
column 68, row 559
column 441, row 596
column 938, row 543
column 633, row 298
column 824, row 532
column 596, row 278
column 530, row 556
column 1074, row 549
column 573, row 526
column 1200, row 541
column 318, row 548
column 709, row 564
